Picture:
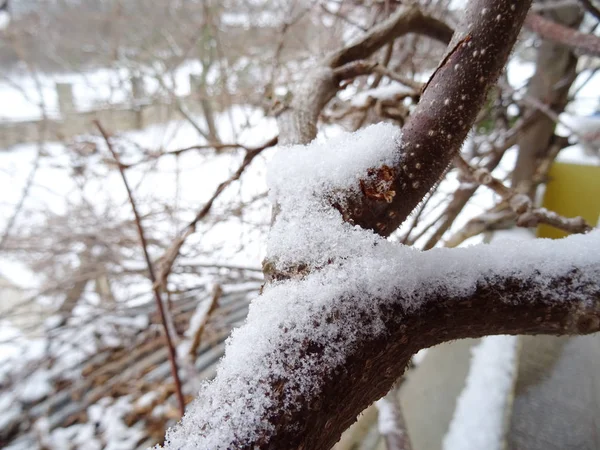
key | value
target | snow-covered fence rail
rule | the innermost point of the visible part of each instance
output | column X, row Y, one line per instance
column 69, row 120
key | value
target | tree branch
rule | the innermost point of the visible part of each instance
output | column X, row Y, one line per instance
column 288, row 391
column 151, row 273
column 520, row 204
column 447, row 110
column 298, row 121
column 170, row 255
column 586, row 43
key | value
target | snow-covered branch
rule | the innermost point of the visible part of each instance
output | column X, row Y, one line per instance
column 448, row 107
column 298, row 121
column 352, row 327
column 345, row 309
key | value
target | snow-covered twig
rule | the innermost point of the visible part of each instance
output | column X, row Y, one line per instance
column 391, row 423
column 480, row 417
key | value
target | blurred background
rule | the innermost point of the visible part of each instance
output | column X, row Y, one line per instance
column 182, row 97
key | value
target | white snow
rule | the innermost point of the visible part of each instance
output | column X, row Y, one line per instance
column 577, row 154
column 336, row 307
column 4, row 20
column 583, row 125
column 36, row 386
column 361, row 275
column 387, row 417
column 386, row 92
column 479, row 419
column 11, row 410
column 303, row 182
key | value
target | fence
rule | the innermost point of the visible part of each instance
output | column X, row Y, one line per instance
column 135, row 114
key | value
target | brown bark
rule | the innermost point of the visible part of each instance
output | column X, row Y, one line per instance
column 298, row 121
column 586, row 43
column 567, row 303
column 555, row 72
column 448, row 107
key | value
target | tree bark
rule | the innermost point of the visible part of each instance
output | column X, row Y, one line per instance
column 556, row 69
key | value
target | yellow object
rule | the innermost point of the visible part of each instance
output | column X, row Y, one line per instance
column 572, row 190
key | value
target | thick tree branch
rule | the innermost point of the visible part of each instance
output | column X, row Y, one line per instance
column 447, row 110
column 405, row 20
column 288, row 391
column 298, row 121
column 350, row 324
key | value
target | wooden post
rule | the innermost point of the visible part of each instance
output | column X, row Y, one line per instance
column 66, row 100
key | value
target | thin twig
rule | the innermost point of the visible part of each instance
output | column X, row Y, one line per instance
column 520, row 204
column 172, row 252
column 21, row 202
column 392, row 424
column 155, row 286
column 214, row 301
column 589, row 6
column 583, row 42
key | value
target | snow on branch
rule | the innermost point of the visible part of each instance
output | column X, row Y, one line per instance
column 478, row 423
column 353, row 325
column 360, row 306
column 344, row 309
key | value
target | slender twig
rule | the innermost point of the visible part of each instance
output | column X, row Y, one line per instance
column 341, row 16
column 520, row 204
column 392, row 424
column 21, row 202
column 197, row 337
column 591, row 8
column 151, row 273
column 172, row 252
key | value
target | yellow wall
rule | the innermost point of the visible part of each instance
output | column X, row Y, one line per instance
column 572, row 190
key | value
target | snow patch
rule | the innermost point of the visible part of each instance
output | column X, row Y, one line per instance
column 304, row 182
column 387, row 92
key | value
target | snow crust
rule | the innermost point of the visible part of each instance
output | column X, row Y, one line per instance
column 301, row 330
column 479, row 419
